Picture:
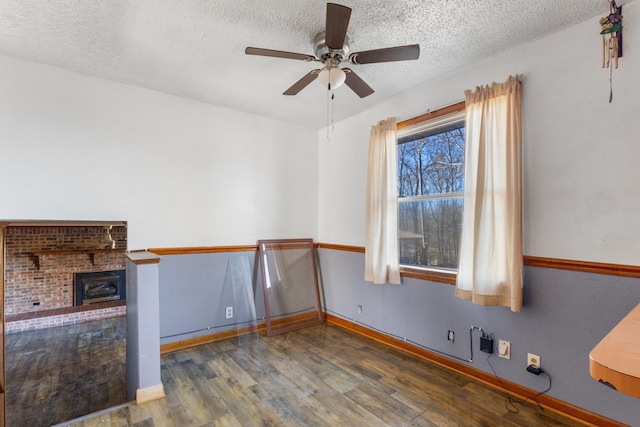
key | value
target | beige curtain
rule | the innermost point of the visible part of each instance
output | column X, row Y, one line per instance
column 381, row 240
column 490, row 267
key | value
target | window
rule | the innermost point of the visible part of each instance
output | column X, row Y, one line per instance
column 430, row 183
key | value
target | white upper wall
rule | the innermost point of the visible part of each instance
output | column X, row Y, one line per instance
column 581, row 154
column 182, row 173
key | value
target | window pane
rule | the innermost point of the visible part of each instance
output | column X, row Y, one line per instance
column 432, row 164
column 429, row 232
column 431, row 176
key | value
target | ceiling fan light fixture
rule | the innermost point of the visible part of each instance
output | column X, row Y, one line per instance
column 331, row 48
column 332, row 77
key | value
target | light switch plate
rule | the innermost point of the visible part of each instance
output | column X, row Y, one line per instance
column 504, row 349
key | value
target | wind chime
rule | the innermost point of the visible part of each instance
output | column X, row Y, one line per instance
column 611, row 30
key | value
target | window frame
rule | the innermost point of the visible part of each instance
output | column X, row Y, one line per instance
column 431, row 119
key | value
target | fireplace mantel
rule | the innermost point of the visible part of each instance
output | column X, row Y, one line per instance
column 90, row 252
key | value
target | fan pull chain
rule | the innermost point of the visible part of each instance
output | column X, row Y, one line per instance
column 328, row 115
column 333, row 111
column 330, row 111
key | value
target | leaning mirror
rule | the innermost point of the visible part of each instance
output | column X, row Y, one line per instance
column 290, row 285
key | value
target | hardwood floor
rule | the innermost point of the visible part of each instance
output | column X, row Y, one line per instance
column 62, row 373
column 319, row 376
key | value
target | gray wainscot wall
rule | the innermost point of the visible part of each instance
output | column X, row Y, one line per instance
column 196, row 289
column 564, row 316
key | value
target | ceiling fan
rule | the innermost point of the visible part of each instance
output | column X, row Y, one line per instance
column 331, row 47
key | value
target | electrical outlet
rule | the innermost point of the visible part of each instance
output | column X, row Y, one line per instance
column 359, row 309
column 533, row 360
column 504, row 349
column 451, row 336
column 229, row 312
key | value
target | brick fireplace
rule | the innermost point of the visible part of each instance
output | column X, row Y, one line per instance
column 41, row 262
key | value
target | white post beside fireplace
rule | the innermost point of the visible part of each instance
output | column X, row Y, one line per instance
column 143, row 328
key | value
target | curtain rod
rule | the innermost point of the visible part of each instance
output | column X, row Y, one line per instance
column 431, row 114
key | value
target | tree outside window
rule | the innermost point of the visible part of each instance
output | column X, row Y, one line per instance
column 430, row 183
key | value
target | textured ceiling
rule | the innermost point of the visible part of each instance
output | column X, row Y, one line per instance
column 195, row 48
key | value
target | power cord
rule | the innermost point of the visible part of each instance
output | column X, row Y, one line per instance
column 510, row 402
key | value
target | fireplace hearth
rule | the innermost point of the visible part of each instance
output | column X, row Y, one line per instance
column 100, row 286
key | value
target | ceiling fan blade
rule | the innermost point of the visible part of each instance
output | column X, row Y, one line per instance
column 279, row 54
column 357, row 84
column 302, row 83
column 336, row 27
column 390, row 54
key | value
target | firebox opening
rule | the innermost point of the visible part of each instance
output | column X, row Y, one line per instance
column 100, row 286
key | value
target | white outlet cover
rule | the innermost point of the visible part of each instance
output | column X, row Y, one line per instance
column 229, row 312
column 533, row 359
